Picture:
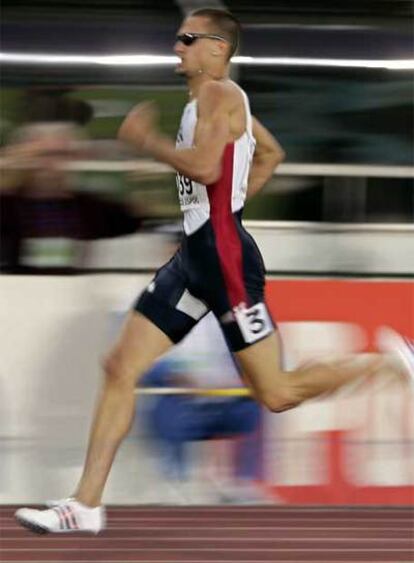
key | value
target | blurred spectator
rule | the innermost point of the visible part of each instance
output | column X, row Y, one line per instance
column 55, row 104
column 45, row 218
column 177, row 421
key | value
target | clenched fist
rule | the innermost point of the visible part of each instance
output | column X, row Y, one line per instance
column 140, row 125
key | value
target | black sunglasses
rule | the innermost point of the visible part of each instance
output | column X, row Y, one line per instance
column 189, row 38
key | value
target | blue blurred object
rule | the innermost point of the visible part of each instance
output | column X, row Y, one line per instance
column 174, row 421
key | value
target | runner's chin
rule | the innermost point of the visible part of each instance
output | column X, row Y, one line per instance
column 179, row 69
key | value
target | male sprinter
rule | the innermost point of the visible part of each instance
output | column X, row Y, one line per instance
column 222, row 155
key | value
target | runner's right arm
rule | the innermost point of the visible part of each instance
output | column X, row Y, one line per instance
column 202, row 162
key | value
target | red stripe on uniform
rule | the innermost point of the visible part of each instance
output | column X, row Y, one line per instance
column 225, row 230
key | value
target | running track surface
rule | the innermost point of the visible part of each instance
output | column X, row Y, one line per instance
column 223, row 535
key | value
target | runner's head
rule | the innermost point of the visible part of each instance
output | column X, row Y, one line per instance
column 206, row 40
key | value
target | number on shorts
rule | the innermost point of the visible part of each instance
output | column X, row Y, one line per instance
column 254, row 322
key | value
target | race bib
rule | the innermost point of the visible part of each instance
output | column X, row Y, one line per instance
column 187, row 192
column 254, row 322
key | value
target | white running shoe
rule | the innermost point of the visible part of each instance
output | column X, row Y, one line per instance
column 400, row 348
column 55, row 502
column 67, row 516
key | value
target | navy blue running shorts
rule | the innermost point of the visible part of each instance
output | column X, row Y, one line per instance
column 206, row 274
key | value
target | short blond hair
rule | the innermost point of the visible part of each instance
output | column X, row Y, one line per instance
column 223, row 23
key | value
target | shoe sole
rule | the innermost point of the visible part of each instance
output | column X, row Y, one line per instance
column 35, row 528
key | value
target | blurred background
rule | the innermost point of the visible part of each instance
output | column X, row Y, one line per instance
column 335, row 111
column 333, row 81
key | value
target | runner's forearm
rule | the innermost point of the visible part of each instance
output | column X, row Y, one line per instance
column 189, row 162
column 263, row 168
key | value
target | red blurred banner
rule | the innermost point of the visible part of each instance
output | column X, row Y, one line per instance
column 370, row 461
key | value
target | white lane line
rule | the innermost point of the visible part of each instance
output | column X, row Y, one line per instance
column 207, row 549
column 246, row 508
column 245, row 520
column 207, row 539
column 246, row 517
column 246, row 528
column 268, row 521
column 240, row 510
column 267, row 508
column 233, row 524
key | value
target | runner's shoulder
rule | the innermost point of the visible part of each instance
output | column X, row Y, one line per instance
column 219, row 92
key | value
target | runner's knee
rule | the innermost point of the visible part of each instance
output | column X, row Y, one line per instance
column 280, row 399
column 117, row 371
